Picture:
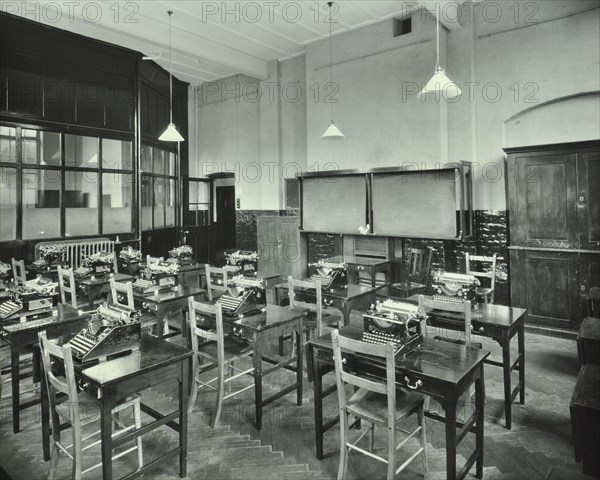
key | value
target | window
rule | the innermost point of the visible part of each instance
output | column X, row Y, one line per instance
column 159, row 188
column 66, row 190
column 292, row 193
column 198, row 212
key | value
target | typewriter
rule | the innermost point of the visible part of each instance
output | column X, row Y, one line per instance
column 181, row 255
column 111, row 329
column 401, row 323
column 157, row 277
column 36, row 295
column 331, row 274
column 246, row 260
column 5, row 269
column 96, row 264
column 454, row 287
column 50, row 256
column 243, row 296
column 130, row 255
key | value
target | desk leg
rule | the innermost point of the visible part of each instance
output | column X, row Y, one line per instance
column 160, row 321
column 506, row 375
column 318, row 401
column 15, row 373
column 91, row 291
column 45, row 412
column 450, row 411
column 479, row 406
column 258, row 400
column 183, row 418
column 299, row 363
column 106, row 439
column 346, row 309
column 521, row 340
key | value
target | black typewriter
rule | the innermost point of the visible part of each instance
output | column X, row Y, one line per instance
column 244, row 296
column 246, row 260
column 392, row 321
column 111, row 329
column 157, row 277
column 35, row 296
column 100, row 263
column 331, row 274
column 454, row 287
column 181, row 255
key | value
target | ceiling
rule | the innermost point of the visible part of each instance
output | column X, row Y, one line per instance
column 216, row 39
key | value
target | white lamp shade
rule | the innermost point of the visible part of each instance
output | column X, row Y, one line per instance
column 171, row 134
column 332, row 132
column 441, row 83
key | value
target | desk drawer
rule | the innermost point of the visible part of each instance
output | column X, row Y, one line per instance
column 485, row 330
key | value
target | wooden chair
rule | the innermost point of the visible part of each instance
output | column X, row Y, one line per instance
column 19, row 272
column 216, row 280
column 377, row 403
column 485, row 292
column 464, row 308
column 67, row 285
column 316, row 319
column 78, row 410
column 122, row 293
column 206, row 323
column 418, row 274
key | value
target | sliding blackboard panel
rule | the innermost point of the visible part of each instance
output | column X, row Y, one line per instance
column 415, row 204
column 335, row 204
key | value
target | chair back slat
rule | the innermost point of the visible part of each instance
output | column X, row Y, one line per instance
column 216, row 279
column 18, row 270
column 122, row 293
column 481, row 272
column 312, row 287
column 464, row 307
column 66, row 283
column 419, row 265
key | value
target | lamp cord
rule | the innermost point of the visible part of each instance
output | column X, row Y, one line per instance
column 437, row 34
column 170, row 71
column 330, row 60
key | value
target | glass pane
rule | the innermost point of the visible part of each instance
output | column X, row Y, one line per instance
column 81, row 151
column 146, row 159
column 116, row 154
column 203, row 192
column 40, row 148
column 171, row 164
column 41, row 202
column 146, row 203
column 159, row 160
column 192, row 192
column 159, row 203
column 117, row 198
column 203, row 215
column 8, row 204
column 81, row 203
column 170, row 204
column 8, row 144
column 190, row 216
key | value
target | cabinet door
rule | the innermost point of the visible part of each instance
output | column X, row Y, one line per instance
column 293, row 251
column 544, row 209
column 25, row 80
column 588, row 199
column 589, row 277
column 547, row 286
column 268, row 245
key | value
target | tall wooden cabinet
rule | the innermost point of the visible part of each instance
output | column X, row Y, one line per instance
column 554, row 221
column 281, row 248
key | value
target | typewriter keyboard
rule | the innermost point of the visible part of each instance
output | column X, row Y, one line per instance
column 379, row 337
column 142, row 284
column 9, row 307
column 449, row 299
column 229, row 303
column 82, row 271
column 325, row 280
column 82, row 343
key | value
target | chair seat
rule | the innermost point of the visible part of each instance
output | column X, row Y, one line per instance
column 458, row 341
column 233, row 350
column 483, row 291
column 372, row 406
column 329, row 320
column 89, row 408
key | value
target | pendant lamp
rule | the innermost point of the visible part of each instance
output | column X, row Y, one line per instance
column 440, row 82
column 332, row 132
column 171, row 134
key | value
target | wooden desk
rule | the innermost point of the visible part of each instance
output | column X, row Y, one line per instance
column 260, row 329
column 344, row 299
column 500, row 323
column 446, row 371
column 100, row 284
column 64, row 321
column 167, row 302
column 588, row 341
column 156, row 362
column 372, row 266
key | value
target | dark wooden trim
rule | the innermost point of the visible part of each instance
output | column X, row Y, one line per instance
column 407, row 169
column 553, row 147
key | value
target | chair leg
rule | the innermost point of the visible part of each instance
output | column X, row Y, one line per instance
column 55, row 451
column 230, row 373
column 343, row 467
column 137, row 417
column 391, row 471
column 220, row 395
column 421, row 419
column 372, row 436
column 77, row 448
column 193, row 395
column 281, row 346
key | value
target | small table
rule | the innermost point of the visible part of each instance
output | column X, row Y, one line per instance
column 65, row 320
column 164, row 303
column 500, row 323
column 344, row 299
column 50, row 272
column 588, row 341
column 100, row 284
column 372, row 266
column 442, row 370
column 155, row 362
column 258, row 330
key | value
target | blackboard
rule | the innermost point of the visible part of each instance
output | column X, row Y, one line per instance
column 415, row 204
column 334, row 204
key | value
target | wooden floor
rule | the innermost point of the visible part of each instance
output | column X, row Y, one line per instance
column 539, row 446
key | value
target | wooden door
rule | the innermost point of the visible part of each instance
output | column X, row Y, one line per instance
column 292, row 250
column 543, row 211
column 268, row 245
column 589, row 277
column 588, row 199
column 225, row 203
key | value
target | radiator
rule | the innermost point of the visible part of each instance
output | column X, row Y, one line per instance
column 77, row 250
